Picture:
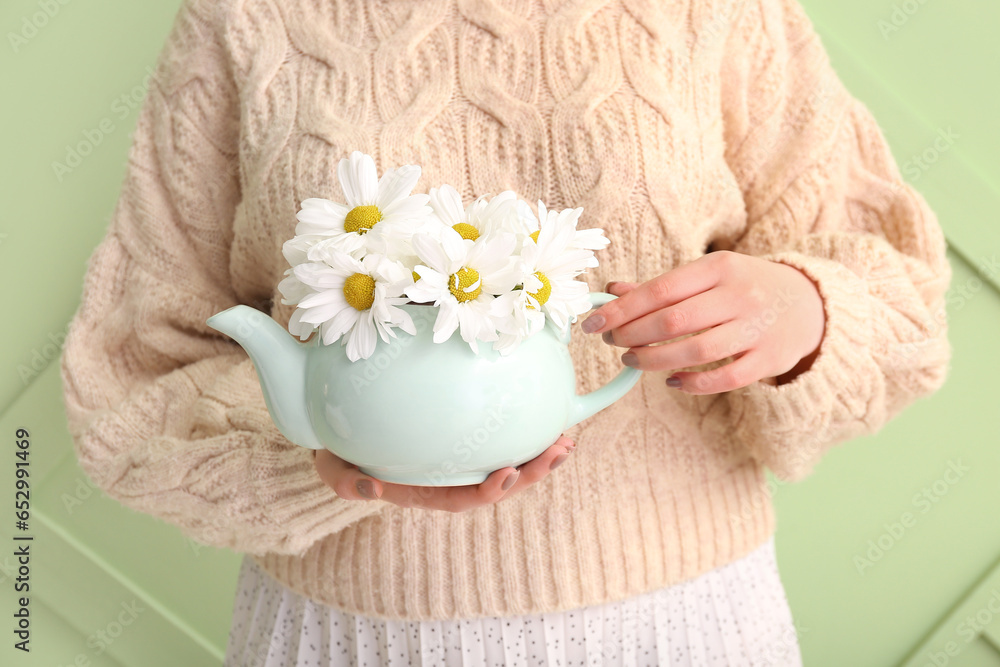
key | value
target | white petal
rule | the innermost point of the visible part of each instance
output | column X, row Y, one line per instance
column 492, row 253
column 361, row 342
column 447, row 320
column 447, row 204
column 570, row 262
column 295, row 249
column 422, row 294
column 319, row 276
column 411, row 212
column 526, row 217
column 358, row 179
column 433, row 278
column 293, row 290
column 403, row 321
column 317, row 221
column 333, row 328
column 455, row 248
column 343, row 321
column 591, row 239
column 297, row 327
column 332, row 254
column 396, row 185
column 320, row 299
column 330, row 206
column 502, row 280
column 432, row 253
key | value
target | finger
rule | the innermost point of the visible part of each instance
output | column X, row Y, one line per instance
column 344, row 478
column 711, row 345
column 746, row 370
column 702, row 311
column 450, row 498
column 619, row 288
column 666, row 290
column 499, row 483
column 539, row 467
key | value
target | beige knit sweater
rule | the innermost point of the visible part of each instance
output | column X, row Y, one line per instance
column 679, row 125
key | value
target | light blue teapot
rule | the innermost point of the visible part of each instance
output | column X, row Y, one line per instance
column 418, row 412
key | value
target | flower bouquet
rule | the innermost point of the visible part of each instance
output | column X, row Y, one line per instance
column 424, row 406
column 493, row 270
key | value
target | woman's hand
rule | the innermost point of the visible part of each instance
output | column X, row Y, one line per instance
column 767, row 315
column 351, row 484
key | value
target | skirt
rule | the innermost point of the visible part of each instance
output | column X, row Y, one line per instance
column 734, row 615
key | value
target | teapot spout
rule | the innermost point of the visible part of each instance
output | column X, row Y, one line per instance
column 280, row 361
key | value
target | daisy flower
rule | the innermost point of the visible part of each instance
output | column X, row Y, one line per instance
column 483, row 217
column 347, row 298
column 587, row 239
column 556, row 255
column 462, row 279
column 376, row 210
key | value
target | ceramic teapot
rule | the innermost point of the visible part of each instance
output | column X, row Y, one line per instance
column 418, row 412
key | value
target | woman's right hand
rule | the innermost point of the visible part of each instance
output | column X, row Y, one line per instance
column 350, row 484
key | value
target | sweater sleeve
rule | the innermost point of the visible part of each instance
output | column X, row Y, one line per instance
column 824, row 195
column 167, row 415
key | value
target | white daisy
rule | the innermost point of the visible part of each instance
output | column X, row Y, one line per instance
column 462, row 279
column 483, row 217
column 587, row 239
column 376, row 210
column 555, row 256
column 345, row 297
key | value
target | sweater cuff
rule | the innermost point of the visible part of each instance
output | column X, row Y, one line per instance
column 785, row 424
column 294, row 496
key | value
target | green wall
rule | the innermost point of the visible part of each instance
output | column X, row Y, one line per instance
column 923, row 597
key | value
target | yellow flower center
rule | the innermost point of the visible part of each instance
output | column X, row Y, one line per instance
column 466, row 231
column 416, row 276
column 534, row 235
column 359, row 291
column 361, row 219
column 544, row 292
column 465, row 284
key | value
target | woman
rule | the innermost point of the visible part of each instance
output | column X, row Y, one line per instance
column 779, row 283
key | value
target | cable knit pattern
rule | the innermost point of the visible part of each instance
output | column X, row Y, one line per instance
column 680, row 127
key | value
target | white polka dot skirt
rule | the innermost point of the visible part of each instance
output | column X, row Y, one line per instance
column 734, row 615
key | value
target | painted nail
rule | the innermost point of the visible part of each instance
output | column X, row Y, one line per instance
column 608, row 337
column 558, row 461
column 509, row 482
column 674, row 382
column 630, row 359
column 593, row 323
column 366, row 488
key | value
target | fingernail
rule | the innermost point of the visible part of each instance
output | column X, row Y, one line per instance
column 608, row 337
column 558, row 461
column 674, row 382
column 592, row 323
column 610, row 286
column 630, row 359
column 366, row 488
column 509, row 482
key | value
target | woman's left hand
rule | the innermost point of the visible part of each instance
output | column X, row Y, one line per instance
column 767, row 315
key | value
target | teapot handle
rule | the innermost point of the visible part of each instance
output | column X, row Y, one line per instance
column 590, row 404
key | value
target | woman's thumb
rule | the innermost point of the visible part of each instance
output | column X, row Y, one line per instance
column 344, row 478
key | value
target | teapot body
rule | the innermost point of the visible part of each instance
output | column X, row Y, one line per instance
column 437, row 414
